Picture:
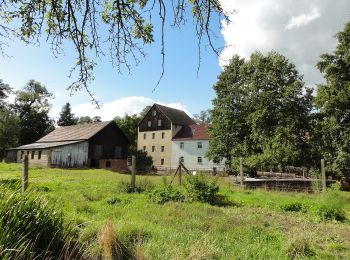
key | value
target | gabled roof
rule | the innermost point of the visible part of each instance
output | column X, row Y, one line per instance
column 44, row 145
column 192, row 132
column 74, row 132
column 176, row 116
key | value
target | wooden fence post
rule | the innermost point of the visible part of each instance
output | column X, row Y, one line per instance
column 25, row 173
column 133, row 172
column 323, row 175
column 241, row 170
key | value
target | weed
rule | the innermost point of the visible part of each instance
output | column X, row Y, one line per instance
column 142, row 185
column 295, row 207
column 300, row 248
column 166, row 193
column 200, row 188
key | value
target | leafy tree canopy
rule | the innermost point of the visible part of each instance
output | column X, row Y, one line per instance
column 9, row 130
column 203, row 116
column 124, row 25
column 261, row 112
column 333, row 102
column 4, row 92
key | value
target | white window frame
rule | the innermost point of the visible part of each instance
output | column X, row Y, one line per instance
column 199, row 160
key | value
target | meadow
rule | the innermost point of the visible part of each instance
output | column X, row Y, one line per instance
column 247, row 224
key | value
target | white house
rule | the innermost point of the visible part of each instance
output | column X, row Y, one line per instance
column 190, row 145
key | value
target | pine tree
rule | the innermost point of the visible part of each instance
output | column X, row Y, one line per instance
column 66, row 116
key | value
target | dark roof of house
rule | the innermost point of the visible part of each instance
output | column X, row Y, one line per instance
column 44, row 145
column 192, row 132
column 74, row 132
column 176, row 116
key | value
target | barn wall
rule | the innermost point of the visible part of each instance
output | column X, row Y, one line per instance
column 73, row 155
column 109, row 138
column 42, row 162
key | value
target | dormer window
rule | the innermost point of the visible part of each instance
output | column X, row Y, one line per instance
column 149, row 123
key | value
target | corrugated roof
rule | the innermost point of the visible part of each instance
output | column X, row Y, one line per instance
column 43, row 145
column 74, row 132
column 176, row 116
column 192, row 132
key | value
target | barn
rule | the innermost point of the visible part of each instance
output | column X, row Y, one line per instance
column 97, row 145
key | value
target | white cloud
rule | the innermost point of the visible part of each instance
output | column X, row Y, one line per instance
column 262, row 25
column 303, row 19
column 119, row 107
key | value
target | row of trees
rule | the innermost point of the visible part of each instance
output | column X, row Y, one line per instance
column 264, row 112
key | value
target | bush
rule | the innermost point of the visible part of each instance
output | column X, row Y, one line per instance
column 144, row 162
column 330, row 213
column 166, row 193
column 29, row 228
column 142, row 185
column 295, row 207
column 200, row 188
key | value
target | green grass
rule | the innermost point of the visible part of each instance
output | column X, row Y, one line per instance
column 257, row 224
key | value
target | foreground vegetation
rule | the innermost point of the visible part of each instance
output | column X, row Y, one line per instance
column 101, row 215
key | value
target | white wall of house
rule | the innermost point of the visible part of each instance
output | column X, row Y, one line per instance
column 190, row 153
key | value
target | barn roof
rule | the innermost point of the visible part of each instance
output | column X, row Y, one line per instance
column 192, row 132
column 74, row 132
column 44, row 145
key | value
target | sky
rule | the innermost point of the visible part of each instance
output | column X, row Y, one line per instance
column 299, row 29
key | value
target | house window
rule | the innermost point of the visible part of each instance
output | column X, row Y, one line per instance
column 33, row 153
column 22, row 153
column 144, row 148
column 199, row 145
column 154, row 112
column 144, row 136
column 118, row 152
column 182, row 145
column 162, row 148
column 182, row 159
column 39, row 155
column 199, row 160
column 159, row 122
column 163, row 135
column 153, row 148
column 153, row 135
column 162, row 161
column 149, row 123
column 98, row 150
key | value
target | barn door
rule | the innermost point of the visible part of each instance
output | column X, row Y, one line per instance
column 56, row 158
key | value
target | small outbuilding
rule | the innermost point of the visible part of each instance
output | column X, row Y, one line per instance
column 97, row 145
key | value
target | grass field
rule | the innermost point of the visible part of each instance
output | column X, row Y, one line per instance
column 254, row 224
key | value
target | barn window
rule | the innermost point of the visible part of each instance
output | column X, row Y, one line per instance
column 33, row 153
column 182, row 145
column 199, row 145
column 163, row 135
column 22, row 153
column 162, row 148
column 108, row 164
column 159, row 122
column 154, row 112
column 162, row 161
column 199, row 160
column 118, row 152
column 144, row 148
column 39, row 155
column 153, row 148
column 98, row 150
column 149, row 123
column 144, row 136
column 153, row 135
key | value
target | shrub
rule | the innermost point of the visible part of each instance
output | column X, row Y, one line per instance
column 295, row 207
column 29, row 228
column 300, row 248
column 200, row 188
column 142, row 185
column 144, row 162
column 330, row 213
column 166, row 193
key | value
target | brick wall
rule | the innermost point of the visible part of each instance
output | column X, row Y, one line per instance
column 118, row 165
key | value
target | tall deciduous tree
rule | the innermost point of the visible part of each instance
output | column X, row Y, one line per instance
column 129, row 125
column 32, row 105
column 203, row 117
column 261, row 112
column 333, row 102
column 66, row 116
column 124, row 25
column 4, row 92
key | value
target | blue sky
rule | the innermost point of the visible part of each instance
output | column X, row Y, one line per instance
column 299, row 29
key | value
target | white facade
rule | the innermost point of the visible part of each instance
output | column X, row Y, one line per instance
column 193, row 154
